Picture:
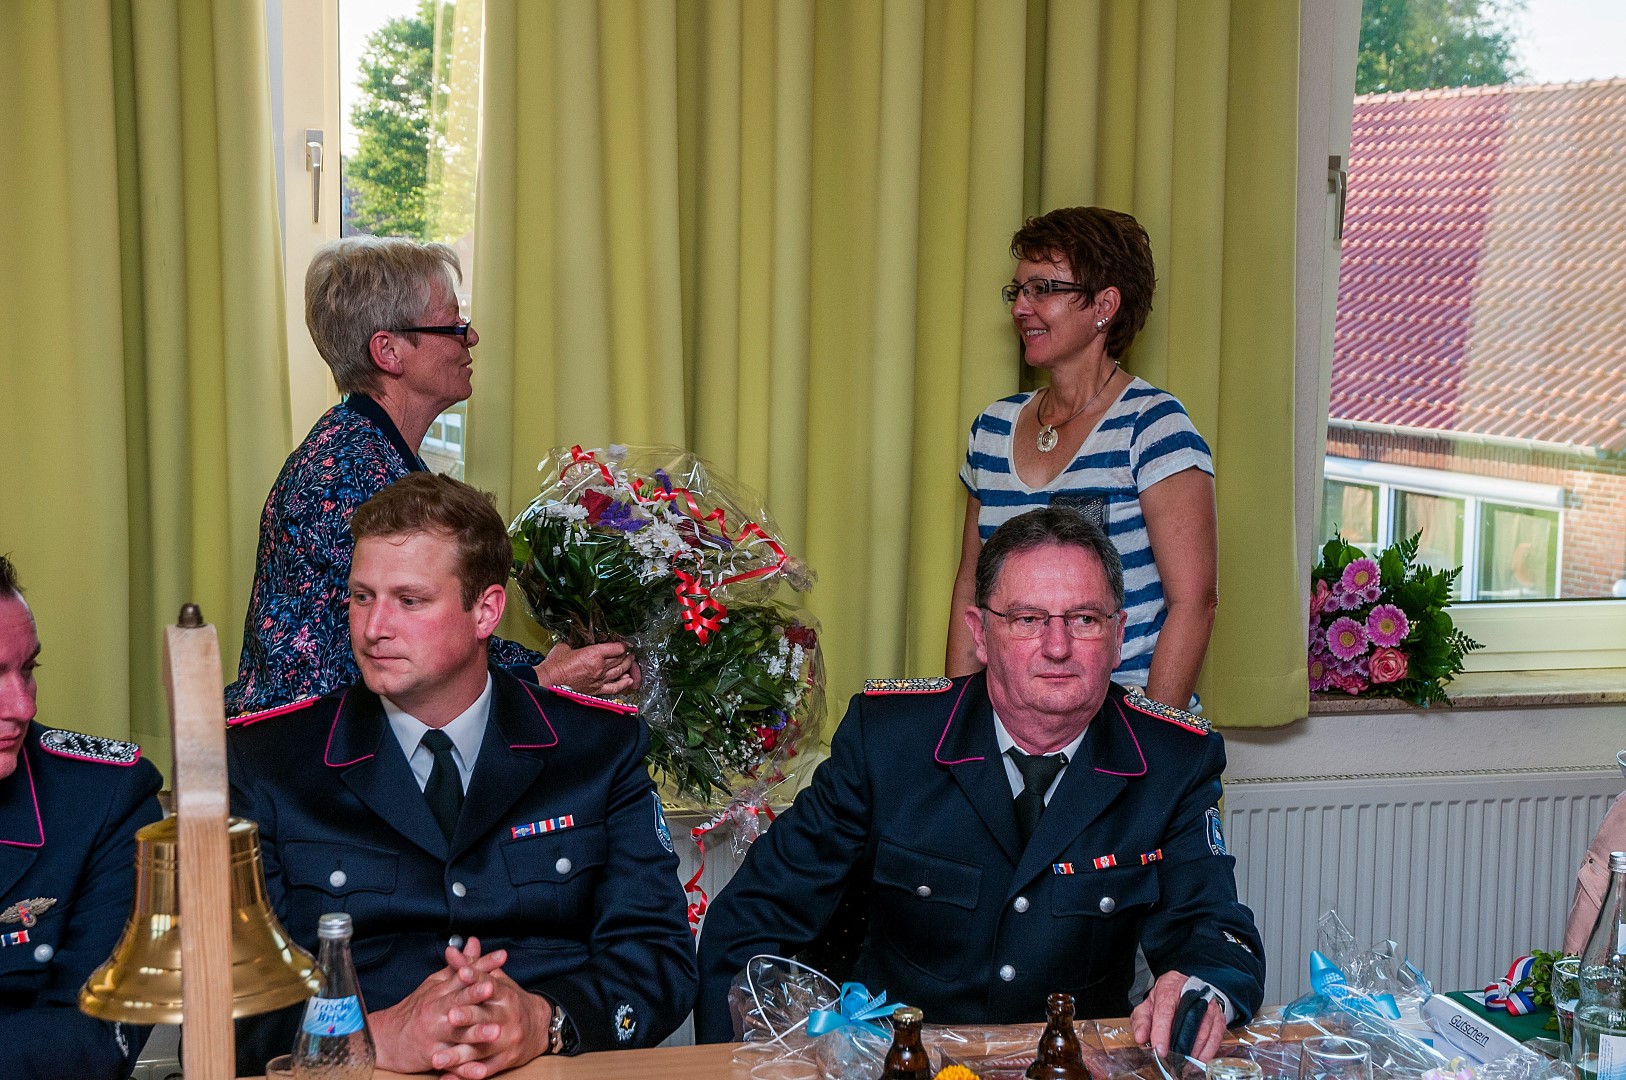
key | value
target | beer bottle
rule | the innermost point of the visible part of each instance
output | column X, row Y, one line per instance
column 907, row 1059
column 1059, row 1055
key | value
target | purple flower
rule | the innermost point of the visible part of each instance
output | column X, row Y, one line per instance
column 663, row 480
column 1387, row 625
column 1346, row 638
column 1359, row 583
column 619, row 515
column 1320, row 673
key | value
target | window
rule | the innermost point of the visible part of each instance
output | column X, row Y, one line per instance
column 1475, row 392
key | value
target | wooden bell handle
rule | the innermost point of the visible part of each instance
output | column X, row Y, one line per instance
column 197, row 711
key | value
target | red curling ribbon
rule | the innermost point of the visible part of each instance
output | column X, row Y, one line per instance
column 578, row 456
column 697, row 909
column 702, row 614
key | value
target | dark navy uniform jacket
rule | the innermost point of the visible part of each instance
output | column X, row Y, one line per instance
column 966, row 923
column 561, row 856
column 68, row 818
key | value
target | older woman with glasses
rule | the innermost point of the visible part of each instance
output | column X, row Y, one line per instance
column 384, row 315
column 1100, row 440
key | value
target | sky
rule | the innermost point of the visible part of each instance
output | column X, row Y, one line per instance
column 1561, row 41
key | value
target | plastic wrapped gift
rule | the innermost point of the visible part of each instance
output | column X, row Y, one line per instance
column 786, row 1011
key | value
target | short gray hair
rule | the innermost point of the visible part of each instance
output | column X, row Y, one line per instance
column 360, row 285
column 9, row 585
column 1037, row 528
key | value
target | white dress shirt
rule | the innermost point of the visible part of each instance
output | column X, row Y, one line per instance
column 466, row 731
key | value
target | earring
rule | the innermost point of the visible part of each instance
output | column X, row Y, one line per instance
column 1100, row 326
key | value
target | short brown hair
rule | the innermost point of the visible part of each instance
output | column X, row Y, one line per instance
column 1102, row 247
column 427, row 502
column 9, row 585
column 1059, row 525
column 360, row 285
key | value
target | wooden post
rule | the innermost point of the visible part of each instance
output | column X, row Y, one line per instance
column 197, row 712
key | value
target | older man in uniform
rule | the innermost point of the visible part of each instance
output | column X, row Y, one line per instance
column 70, row 806
column 1020, row 831
column 500, row 847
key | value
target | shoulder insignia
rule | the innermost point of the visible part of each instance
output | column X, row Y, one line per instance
column 906, row 686
column 595, row 702
column 244, row 719
column 1136, row 699
column 72, row 744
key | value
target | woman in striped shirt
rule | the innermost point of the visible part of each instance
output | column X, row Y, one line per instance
column 1101, row 440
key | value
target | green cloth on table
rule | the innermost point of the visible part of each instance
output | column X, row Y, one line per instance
column 1532, row 1025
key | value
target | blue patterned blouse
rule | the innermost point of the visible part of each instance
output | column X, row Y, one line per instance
column 296, row 639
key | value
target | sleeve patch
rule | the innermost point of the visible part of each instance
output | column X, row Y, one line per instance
column 906, row 686
column 71, row 744
column 1136, row 699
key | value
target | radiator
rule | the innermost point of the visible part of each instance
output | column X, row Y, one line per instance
column 1465, row 871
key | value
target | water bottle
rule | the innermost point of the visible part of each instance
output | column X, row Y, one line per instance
column 334, row 1041
column 1600, row 1018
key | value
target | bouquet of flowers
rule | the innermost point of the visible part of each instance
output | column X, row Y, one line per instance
column 648, row 546
column 1378, row 627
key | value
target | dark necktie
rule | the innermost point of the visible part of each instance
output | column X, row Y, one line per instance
column 1038, row 773
column 445, row 788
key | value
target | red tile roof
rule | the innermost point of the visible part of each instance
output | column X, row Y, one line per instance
column 1482, row 286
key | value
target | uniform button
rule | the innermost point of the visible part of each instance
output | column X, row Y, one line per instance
column 455, row 941
column 563, row 866
column 1007, row 973
column 1021, row 904
column 337, row 879
column 459, row 889
column 44, row 953
column 923, row 891
column 1107, row 905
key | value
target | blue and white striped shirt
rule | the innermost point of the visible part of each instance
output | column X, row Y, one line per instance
column 1144, row 437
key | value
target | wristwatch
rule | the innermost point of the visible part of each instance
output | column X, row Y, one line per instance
column 561, row 1032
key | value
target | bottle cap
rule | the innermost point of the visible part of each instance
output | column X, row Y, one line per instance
column 1617, row 861
column 907, row 1014
column 334, row 927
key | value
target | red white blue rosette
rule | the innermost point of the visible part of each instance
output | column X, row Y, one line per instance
column 1503, row 994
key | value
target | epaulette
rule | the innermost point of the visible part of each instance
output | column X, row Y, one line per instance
column 244, row 719
column 906, row 686
column 72, row 744
column 1136, row 699
column 591, row 701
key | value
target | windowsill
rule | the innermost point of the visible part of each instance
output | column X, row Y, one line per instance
column 1497, row 690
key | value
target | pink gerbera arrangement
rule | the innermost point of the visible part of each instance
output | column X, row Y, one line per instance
column 1378, row 626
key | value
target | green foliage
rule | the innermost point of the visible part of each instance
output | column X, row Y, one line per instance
column 1425, row 44
column 400, row 123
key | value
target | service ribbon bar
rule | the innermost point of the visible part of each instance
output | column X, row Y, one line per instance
column 536, row 828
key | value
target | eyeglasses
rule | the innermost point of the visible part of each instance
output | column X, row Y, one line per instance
column 1082, row 624
column 457, row 329
column 1037, row 288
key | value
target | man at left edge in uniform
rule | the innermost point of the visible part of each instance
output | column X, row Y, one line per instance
column 514, row 889
column 70, row 805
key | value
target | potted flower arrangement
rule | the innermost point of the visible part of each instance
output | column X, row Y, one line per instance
column 1379, row 628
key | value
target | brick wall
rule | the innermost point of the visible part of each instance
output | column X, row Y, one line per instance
column 1594, row 517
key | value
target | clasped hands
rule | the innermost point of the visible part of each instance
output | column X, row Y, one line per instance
column 467, row 1021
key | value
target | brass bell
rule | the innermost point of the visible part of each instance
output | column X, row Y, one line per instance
column 141, row 982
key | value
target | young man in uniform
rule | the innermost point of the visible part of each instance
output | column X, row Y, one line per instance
column 500, row 847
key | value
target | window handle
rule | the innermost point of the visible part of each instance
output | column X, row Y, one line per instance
column 313, row 163
column 1338, row 184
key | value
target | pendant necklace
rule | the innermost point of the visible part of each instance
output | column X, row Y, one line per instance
column 1047, row 438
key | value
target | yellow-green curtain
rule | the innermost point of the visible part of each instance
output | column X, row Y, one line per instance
column 774, row 233
column 143, row 385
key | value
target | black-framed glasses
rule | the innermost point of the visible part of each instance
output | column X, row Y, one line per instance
column 457, row 329
column 1083, row 624
column 1037, row 288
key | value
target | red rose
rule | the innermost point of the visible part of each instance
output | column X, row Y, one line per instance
column 769, row 737
column 1388, row 665
column 596, row 503
column 800, row 635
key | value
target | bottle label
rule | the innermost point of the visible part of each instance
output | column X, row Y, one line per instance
column 1611, row 1057
column 332, row 1016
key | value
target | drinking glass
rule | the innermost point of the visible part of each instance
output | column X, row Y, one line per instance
column 1331, row 1057
column 1566, row 987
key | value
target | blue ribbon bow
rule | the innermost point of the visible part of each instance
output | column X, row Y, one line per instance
column 854, row 1007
